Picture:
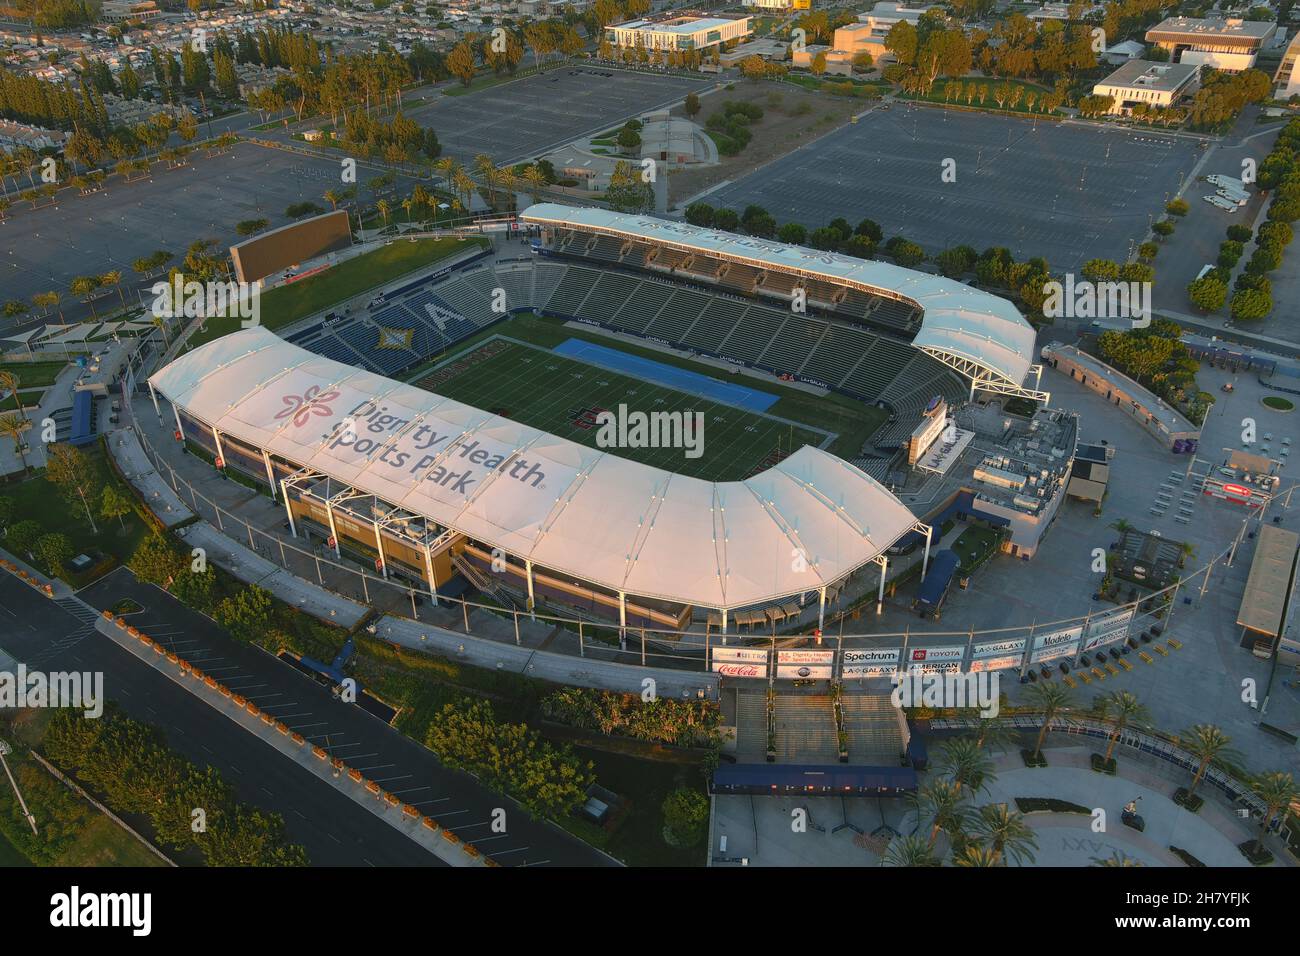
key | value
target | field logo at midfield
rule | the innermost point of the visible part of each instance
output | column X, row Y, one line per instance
column 1098, row 300
column 936, row 689
column 624, row 429
column 191, row 299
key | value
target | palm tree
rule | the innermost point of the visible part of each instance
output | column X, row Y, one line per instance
column 942, row 803
column 487, row 170
column 536, row 181
column 1116, row 858
column 333, row 196
column 909, row 851
column 994, row 735
column 12, row 426
column 1123, row 709
column 408, row 204
column 383, row 208
column 113, row 280
column 1121, row 525
column 1280, row 795
column 508, row 181
column 1208, row 744
column 465, row 187
column 1052, row 700
column 1006, row 832
column 9, row 382
column 972, row 854
column 968, row 766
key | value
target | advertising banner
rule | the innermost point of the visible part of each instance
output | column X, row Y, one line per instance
column 1107, row 628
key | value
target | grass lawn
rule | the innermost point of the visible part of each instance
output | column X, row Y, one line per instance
column 72, row 832
column 851, row 421
column 31, row 398
column 989, row 103
column 287, row 304
column 34, row 374
column 547, row 391
column 637, row 837
column 1278, row 403
column 973, row 544
column 40, row 500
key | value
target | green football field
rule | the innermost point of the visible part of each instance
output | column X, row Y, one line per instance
column 559, row 395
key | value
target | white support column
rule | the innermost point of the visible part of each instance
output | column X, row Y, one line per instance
column 925, row 559
column 532, row 603
column 821, row 611
column 221, row 455
column 622, row 620
column 880, row 597
column 329, row 514
column 154, row 396
column 428, row 569
column 180, row 430
column 270, row 472
column 724, row 627
column 284, row 494
column 379, row 546
column 972, row 389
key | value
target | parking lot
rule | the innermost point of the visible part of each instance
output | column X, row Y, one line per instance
column 522, row 119
column 398, row 764
column 1066, row 191
column 89, row 235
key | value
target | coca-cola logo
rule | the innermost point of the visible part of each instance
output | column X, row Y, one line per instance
column 740, row 670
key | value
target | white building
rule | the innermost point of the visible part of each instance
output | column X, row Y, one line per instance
column 1155, row 84
column 1286, row 82
column 681, row 31
column 1230, row 44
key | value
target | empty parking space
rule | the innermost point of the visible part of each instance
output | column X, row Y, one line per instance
column 521, row 119
column 1068, row 192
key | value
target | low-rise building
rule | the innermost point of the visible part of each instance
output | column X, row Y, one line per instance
column 1153, row 84
column 1123, row 52
column 1286, row 82
column 679, row 30
column 1229, row 44
column 15, row 136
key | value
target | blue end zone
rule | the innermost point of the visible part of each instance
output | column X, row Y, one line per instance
column 647, row 370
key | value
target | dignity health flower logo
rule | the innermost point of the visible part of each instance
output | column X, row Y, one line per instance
column 302, row 408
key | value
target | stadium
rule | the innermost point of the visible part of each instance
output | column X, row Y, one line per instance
column 482, row 472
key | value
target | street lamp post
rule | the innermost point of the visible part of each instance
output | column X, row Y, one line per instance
column 31, row 819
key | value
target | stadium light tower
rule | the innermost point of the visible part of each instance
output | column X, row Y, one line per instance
column 31, row 820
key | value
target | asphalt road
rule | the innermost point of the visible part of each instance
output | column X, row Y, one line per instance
column 335, row 830
column 384, row 755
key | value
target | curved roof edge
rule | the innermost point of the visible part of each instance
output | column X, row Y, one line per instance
column 958, row 320
column 804, row 523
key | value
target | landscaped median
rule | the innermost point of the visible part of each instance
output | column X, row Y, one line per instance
column 423, row 830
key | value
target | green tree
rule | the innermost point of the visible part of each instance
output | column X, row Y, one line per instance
column 23, row 536
column 75, row 475
column 1051, row 700
column 1123, row 709
column 686, row 817
column 53, row 550
column 114, row 504
column 1208, row 745
column 1209, row 292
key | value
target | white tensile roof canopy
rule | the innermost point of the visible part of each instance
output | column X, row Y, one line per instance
column 957, row 320
column 578, row 510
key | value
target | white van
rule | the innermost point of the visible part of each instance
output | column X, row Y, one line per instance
column 1237, row 199
column 1222, row 203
